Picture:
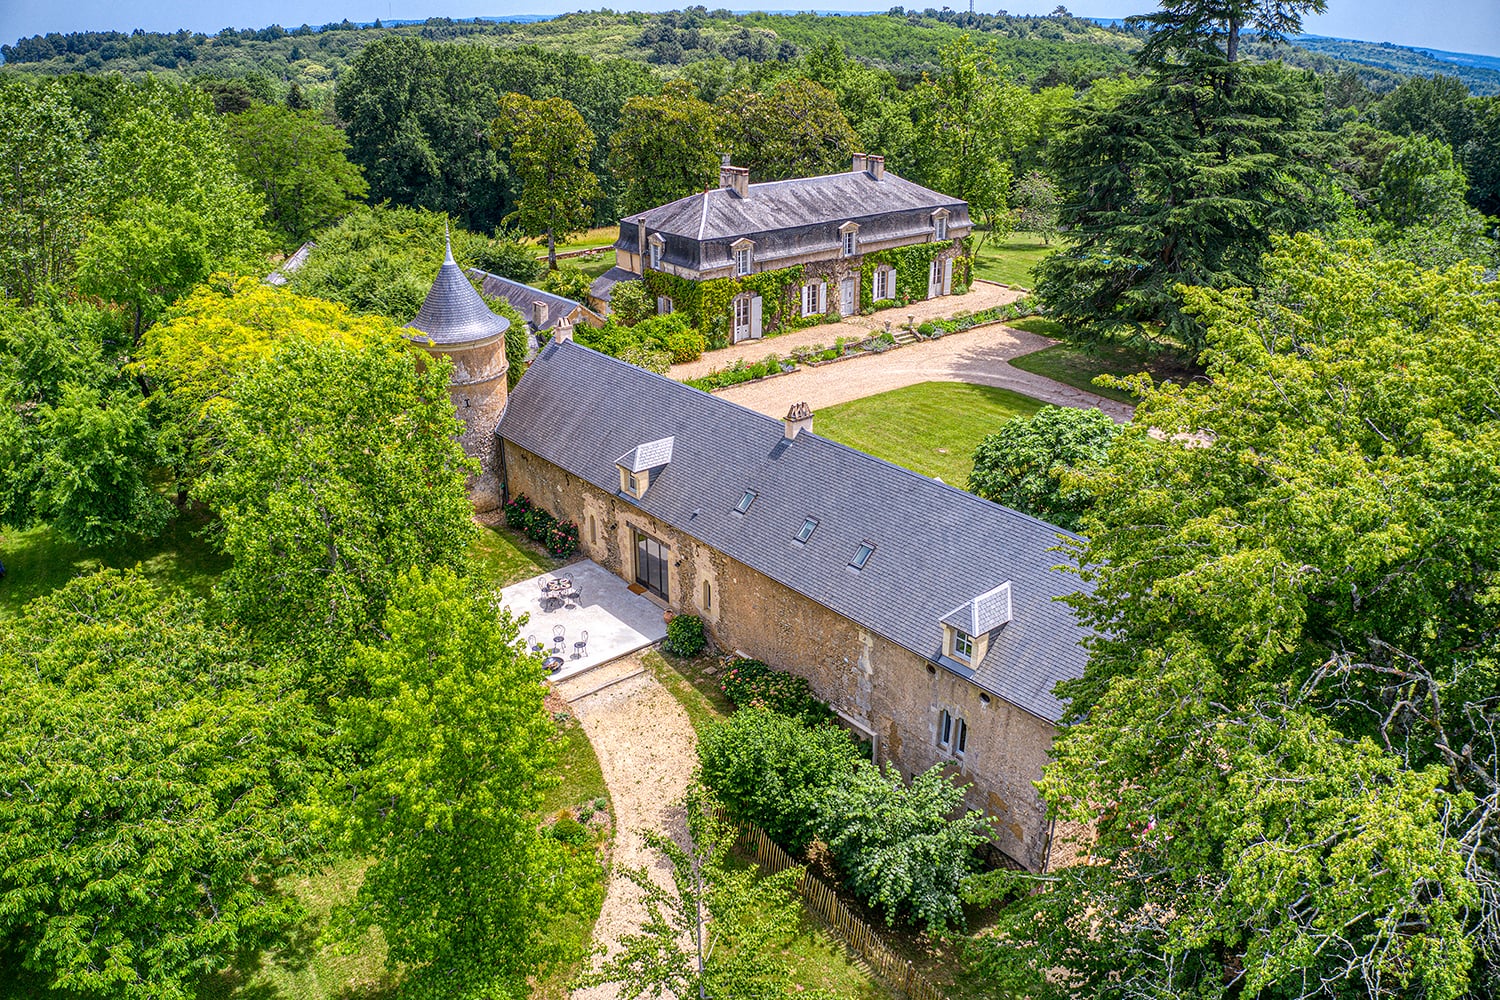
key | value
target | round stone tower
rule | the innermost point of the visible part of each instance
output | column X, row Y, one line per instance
column 455, row 323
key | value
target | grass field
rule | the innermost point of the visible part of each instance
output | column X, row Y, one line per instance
column 503, row 557
column 39, row 560
column 602, row 236
column 1010, row 261
column 1078, row 364
column 931, row 427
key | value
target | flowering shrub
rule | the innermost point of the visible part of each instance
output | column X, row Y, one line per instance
column 752, row 684
column 559, row 537
column 562, row 539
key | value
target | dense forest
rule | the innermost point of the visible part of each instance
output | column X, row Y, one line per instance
column 254, row 634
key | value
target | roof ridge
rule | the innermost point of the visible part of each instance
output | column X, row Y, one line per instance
column 972, row 499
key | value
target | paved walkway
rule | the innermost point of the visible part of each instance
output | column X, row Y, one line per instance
column 647, row 751
column 980, row 356
column 981, row 295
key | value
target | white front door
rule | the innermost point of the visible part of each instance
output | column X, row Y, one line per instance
column 741, row 319
column 755, row 321
column 849, row 296
column 934, row 279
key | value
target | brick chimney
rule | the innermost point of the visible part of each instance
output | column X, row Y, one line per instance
column 876, row 166
column 562, row 331
column 859, row 163
column 798, row 419
column 538, row 314
column 736, row 179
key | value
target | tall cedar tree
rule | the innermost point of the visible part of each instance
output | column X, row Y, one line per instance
column 549, row 147
column 1214, row 27
column 1184, row 180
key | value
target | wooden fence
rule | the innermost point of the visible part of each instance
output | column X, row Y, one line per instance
column 825, row 904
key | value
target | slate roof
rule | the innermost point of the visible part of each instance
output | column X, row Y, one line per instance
column 651, row 455
column 936, row 547
column 523, row 296
column 603, row 285
column 719, row 213
column 453, row 313
column 283, row 273
column 790, row 219
column 983, row 614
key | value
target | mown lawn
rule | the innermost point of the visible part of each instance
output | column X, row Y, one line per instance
column 39, row 560
column 1078, row 364
column 1010, row 261
column 502, row 557
column 931, row 427
column 601, row 236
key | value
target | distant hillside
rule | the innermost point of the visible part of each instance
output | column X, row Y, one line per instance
column 1036, row 49
column 1481, row 73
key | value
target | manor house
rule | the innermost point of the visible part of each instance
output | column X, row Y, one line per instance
column 794, row 249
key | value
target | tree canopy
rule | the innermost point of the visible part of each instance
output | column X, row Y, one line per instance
column 154, row 778
column 549, row 147
column 1290, row 690
column 298, row 164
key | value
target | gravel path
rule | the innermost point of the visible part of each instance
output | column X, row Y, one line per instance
column 980, row 356
column 981, row 295
column 647, row 751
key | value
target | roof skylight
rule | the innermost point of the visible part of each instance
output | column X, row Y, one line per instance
column 745, row 502
column 866, row 550
column 807, row 529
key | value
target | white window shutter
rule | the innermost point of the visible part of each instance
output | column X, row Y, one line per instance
column 948, row 276
column 755, row 306
column 822, row 297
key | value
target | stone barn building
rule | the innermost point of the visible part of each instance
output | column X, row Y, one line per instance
column 927, row 617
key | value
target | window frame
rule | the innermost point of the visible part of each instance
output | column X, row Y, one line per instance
column 862, row 556
column 742, row 261
column 940, row 228
column 945, row 729
column 664, row 306
column 851, row 243
column 963, row 645
column 960, row 738
column 806, row 531
column 746, row 502
column 654, row 254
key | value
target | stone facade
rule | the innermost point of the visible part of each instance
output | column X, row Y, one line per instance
column 479, row 392
column 886, row 693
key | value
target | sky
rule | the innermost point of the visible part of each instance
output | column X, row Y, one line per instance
column 1454, row 25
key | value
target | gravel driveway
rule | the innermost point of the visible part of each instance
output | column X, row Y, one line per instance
column 981, row 356
column 981, row 295
column 647, row 750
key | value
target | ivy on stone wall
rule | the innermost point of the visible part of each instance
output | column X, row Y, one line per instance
column 912, row 265
column 707, row 303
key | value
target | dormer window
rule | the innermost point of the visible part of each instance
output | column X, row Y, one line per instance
column 742, row 262
column 963, row 645
column 862, row 555
column 745, row 502
column 849, row 233
column 808, row 527
column 654, row 249
column 639, row 466
column 940, row 225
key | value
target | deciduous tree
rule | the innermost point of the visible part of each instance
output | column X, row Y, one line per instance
column 793, row 129
column 153, row 781
column 548, row 146
column 1284, row 741
column 299, row 165
column 666, row 147
column 1025, row 464
column 456, row 749
column 339, row 469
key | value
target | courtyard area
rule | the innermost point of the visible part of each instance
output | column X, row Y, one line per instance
column 605, row 615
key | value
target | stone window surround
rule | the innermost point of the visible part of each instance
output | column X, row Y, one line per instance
column 743, row 252
column 940, row 224
column 655, row 244
column 849, row 239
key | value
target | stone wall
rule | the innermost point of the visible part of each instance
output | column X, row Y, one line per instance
column 479, row 392
column 881, row 689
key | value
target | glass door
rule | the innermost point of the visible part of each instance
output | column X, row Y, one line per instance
column 651, row 564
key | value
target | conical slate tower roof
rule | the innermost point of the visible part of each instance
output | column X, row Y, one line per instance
column 453, row 313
